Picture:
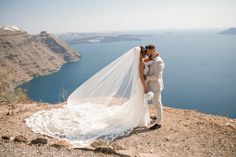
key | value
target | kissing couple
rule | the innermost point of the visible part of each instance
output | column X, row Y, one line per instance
column 151, row 68
column 109, row 104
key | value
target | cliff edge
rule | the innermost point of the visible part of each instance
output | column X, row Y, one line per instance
column 184, row 133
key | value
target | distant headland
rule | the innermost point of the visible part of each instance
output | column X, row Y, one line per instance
column 229, row 31
column 75, row 38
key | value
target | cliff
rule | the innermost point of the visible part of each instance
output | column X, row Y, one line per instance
column 24, row 56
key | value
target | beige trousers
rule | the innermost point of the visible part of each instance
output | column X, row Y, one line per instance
column 158, row 105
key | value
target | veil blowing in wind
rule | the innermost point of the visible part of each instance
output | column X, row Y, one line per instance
column 108, row 105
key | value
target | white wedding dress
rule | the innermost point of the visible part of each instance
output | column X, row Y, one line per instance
column 108, row 105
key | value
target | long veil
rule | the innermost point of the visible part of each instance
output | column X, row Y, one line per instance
column 108, row 105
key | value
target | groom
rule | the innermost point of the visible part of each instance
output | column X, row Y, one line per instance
column 155, row 83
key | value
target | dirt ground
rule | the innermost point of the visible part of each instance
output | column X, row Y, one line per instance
column 184, row 133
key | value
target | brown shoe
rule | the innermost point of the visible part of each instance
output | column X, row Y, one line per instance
column 155, row 126
column 153, row 117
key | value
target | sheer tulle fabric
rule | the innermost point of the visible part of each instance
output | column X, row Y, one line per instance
column 108, row 105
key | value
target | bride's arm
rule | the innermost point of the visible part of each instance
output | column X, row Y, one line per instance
column 146, row 60
column 141, row 75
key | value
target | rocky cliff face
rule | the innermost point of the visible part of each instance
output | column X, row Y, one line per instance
column 24, row 56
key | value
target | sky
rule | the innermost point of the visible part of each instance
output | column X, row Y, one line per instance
column 60, row 16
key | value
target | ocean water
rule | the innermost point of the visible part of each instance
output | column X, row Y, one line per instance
column 200, row 70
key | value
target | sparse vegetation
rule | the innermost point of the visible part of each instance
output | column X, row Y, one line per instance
column 11, row 96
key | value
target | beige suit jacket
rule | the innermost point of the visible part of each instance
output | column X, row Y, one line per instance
column 154, row 77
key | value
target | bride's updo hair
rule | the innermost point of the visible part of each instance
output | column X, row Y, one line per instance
column 143, row 50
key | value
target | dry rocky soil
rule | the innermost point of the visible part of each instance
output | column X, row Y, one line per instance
column 184, row 133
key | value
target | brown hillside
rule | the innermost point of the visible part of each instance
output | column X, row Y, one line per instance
column 24, row 56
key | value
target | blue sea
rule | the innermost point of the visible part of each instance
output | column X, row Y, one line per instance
column 200, row 70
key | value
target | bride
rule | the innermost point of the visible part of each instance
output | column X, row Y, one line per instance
column 108, row 105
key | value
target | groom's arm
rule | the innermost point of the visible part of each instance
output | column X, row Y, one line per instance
column 155, row 75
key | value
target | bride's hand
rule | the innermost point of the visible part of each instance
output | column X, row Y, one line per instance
column 158, row 54
column 145, row 90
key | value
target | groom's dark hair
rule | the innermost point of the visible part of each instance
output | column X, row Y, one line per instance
column 150, row 47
